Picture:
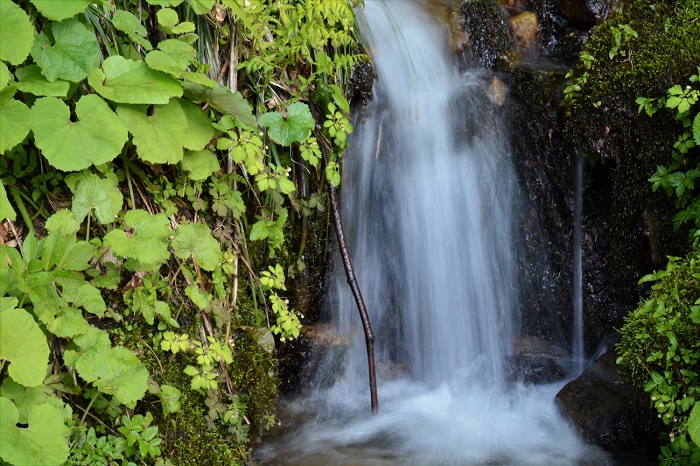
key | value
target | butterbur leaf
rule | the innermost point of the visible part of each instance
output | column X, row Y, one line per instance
column 15, row 120
column 45, row 440
column 148, row 241
column 24, row 345
column 32, row 81
column 6, row 210
column 295, row 128
column 696, row 129
column 195, row 240
column 5, row 75
column 61, row 9
column 199, row 129
column 16, row 33
column 159, row 137
column 200, row 164
column 133, row 82
column 70, row 54
column 99, row 196
column 114, row 370
column 96, row 138
column 26, row 398
column 694, row 424
column 182, row 53
column 223, row 100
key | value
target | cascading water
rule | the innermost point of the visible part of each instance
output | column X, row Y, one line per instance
column 428, row 192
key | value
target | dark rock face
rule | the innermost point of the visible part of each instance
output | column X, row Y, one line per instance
column 584, row 14
column 482, row 32
column 361, row 82
column 608, row 412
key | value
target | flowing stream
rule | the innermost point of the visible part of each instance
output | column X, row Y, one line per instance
column 428, row 199
column 578, row 350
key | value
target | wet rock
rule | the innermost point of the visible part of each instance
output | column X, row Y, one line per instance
column 481, row 34
column 536, row 361
column 607, row 411
column 497, row 91
column 361, row 82
column 300, row 359
column 523, row 28
column 584, row 14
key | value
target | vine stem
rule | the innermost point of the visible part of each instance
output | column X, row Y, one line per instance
column 324, row 144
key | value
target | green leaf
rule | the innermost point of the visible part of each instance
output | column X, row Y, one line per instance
column 167, row 19
column 71, row 54
column 202, row 6
column 26, row 398
column 200, row 299
column 15, row 121
column 44, row 442
column 223, row 100
column 6, row 210
column 99, row 196
column 296, row 128
column 16, row 33
column 148, row 241
column 159, row 138
column 6, row 76
column 199, row 129
column 114, row 371
column 96, row 138
column 200, row 164
column 69, row 324
column 63, row 222
column 59, row 10
column 32, row 81
column 24, row 345
column 132, row 27
column 184, row 54
column 694, row 424
column 133, row 82
column 696, row 129
column 89, row 298
column 195, row 240
column 169, row 399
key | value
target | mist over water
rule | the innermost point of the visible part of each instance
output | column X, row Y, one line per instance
column 428, row 198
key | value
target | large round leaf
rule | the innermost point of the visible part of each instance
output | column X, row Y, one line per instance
column 199, row 129
column 15, row 120
column 99, row 196
column 32, row 81
column 148, row 241
column 133, row 82
column 96, row 138
column 70, row 55
column 44, row 442
column 159, row 137
column 24, row 345
column 59, row 10
column 16, row 33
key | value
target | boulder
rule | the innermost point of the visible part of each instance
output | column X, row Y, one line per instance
column 606, row 410
column 523, row 30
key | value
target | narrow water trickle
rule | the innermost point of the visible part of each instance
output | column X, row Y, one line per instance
column 428, row 199
column 578, row 350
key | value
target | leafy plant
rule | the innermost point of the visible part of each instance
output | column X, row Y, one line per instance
column 660, row 351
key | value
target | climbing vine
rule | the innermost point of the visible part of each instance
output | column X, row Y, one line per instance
column 154, row 153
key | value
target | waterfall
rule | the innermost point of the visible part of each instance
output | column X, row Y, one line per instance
column 428, row 193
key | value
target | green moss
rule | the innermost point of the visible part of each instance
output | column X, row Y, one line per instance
column 603, row 121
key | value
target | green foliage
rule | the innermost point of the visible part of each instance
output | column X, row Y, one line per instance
column 660, row 351
column 123, row 121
